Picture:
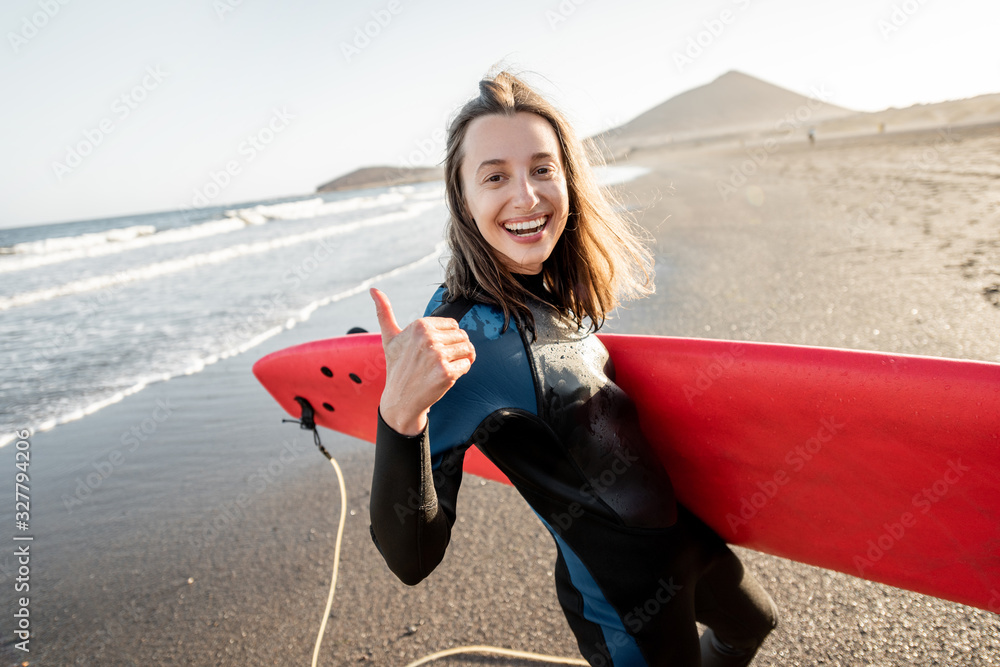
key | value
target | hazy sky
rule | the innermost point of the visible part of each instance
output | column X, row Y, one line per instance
column 114, row 107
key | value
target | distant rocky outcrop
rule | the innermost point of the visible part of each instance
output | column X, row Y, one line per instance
column 380, row 177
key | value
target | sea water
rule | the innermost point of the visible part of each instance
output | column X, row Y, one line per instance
column 93, row 311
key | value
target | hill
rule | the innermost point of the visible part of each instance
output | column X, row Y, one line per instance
column 733, row 103
column 376, row 177
column 739, row 107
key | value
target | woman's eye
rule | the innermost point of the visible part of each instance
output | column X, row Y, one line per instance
column 495, row 178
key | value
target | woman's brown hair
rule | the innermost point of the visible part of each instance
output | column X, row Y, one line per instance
column 600, row 258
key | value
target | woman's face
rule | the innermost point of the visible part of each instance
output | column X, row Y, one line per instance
column 515, row 187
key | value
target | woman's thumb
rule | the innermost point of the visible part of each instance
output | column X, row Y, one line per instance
column 386, row 319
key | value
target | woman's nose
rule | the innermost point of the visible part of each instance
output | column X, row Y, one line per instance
column 525, row 197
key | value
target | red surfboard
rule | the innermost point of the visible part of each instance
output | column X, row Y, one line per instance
column 882, row 466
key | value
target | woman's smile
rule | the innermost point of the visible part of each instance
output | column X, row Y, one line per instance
column 526, row 231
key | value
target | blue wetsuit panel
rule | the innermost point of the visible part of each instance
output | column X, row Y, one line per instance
column 500, row 379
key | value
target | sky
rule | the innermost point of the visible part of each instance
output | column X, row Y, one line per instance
column 113, row 107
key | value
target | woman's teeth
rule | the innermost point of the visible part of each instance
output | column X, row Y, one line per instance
column 527, row 228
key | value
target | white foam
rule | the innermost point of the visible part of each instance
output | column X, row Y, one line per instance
column 33, row 254
column 199, row 365
column 60, row 243
column 71, row 251
column 215, row 257
column 316, row 207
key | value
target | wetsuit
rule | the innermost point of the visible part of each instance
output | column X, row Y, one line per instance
column 634, row 569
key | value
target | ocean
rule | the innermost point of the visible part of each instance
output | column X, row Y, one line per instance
column 93, row 311
column 96, row 310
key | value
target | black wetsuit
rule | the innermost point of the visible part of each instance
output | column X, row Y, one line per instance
column 635, row 570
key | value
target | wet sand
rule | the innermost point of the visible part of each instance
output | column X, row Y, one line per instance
column 210, row 542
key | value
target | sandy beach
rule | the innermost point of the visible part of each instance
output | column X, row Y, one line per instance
column 209, row 539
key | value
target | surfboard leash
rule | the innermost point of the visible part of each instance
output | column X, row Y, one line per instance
column 307, row 422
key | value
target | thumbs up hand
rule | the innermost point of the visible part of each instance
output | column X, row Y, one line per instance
column 423, row 361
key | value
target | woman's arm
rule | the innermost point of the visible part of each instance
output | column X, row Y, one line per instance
column 412, row 506
column 411, row 519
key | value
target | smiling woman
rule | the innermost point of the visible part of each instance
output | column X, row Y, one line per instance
column 511, row 158
column 536, row 242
